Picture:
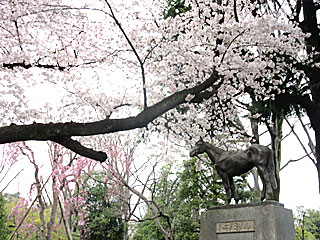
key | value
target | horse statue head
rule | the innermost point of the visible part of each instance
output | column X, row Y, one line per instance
column 198, row 148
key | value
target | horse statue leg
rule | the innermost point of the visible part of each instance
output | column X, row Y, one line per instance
column 272, row 170
column 268, row 178
column 233, row 190
column 262, row 158
column 226, row 184
column 263, row 180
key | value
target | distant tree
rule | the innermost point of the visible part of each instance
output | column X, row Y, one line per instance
column 51, row 217
column 104, row 220
column 180, row 193
column 307, row 224
column 163, row 195
column 147, row 230
column 4, row 229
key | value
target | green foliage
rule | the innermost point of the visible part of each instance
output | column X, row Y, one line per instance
column 4, row 229
column 147, row 230
column 307, row 220
column 182, row 195
column 175, row 8
column 307, row 235
column 104, row 218
column 31, row 227
column 75, row 235
column 314, row 222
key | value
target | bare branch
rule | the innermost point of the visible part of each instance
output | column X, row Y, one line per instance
column 299, row 140
column 311, row 144
column 295, row 160
column 11, row 180
column 45, row 66
column 141, row 63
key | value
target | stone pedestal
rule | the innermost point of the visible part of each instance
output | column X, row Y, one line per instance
column 267, row 220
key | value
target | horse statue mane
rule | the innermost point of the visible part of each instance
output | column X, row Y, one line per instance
column 234, row 163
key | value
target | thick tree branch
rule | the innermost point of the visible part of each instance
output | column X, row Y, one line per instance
column 76, row 147
column 62, row 132
column 29, row 65
column 25, row 65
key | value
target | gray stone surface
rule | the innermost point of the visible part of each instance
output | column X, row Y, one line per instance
column 267, row 220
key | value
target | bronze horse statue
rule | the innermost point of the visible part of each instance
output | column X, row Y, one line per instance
column 234, row 163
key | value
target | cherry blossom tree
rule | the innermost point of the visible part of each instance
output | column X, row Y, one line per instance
column 200, row 62
column 68, row 45
column 129, row 179
column 65, row 175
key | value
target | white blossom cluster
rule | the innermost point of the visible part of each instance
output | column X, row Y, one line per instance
column 77, row 50
column 247, row 53
column 95, row 55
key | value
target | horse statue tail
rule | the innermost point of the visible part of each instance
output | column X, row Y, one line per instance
column 272, row 170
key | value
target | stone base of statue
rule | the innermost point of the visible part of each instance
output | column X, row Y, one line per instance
column 267, row 220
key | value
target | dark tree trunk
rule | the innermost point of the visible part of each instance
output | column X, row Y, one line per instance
column 255, row 133
column 318, row 156
column 310, row 25
column 276, row 138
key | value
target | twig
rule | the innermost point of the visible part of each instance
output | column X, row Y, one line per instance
column 311, row 144
column 299, row 140
column 135, row 53
column 11, row 180
column 225, row 52
column 295, row 160
column 64, row 221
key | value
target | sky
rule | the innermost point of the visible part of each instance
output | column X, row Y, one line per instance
column 299, row 185
column 298, row 180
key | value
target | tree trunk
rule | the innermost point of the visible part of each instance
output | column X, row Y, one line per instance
column 41, row 207
column 125, row 212
column 313, row 112
column 276, row 138
column 317, row 146
column 53, row 211
column 66, row 222
column 310, row 25
column 255, row 133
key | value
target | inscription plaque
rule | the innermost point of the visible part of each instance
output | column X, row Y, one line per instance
column 235, row 227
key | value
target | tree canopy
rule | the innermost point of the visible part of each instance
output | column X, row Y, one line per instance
column 115, row 65
column 80, row 50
